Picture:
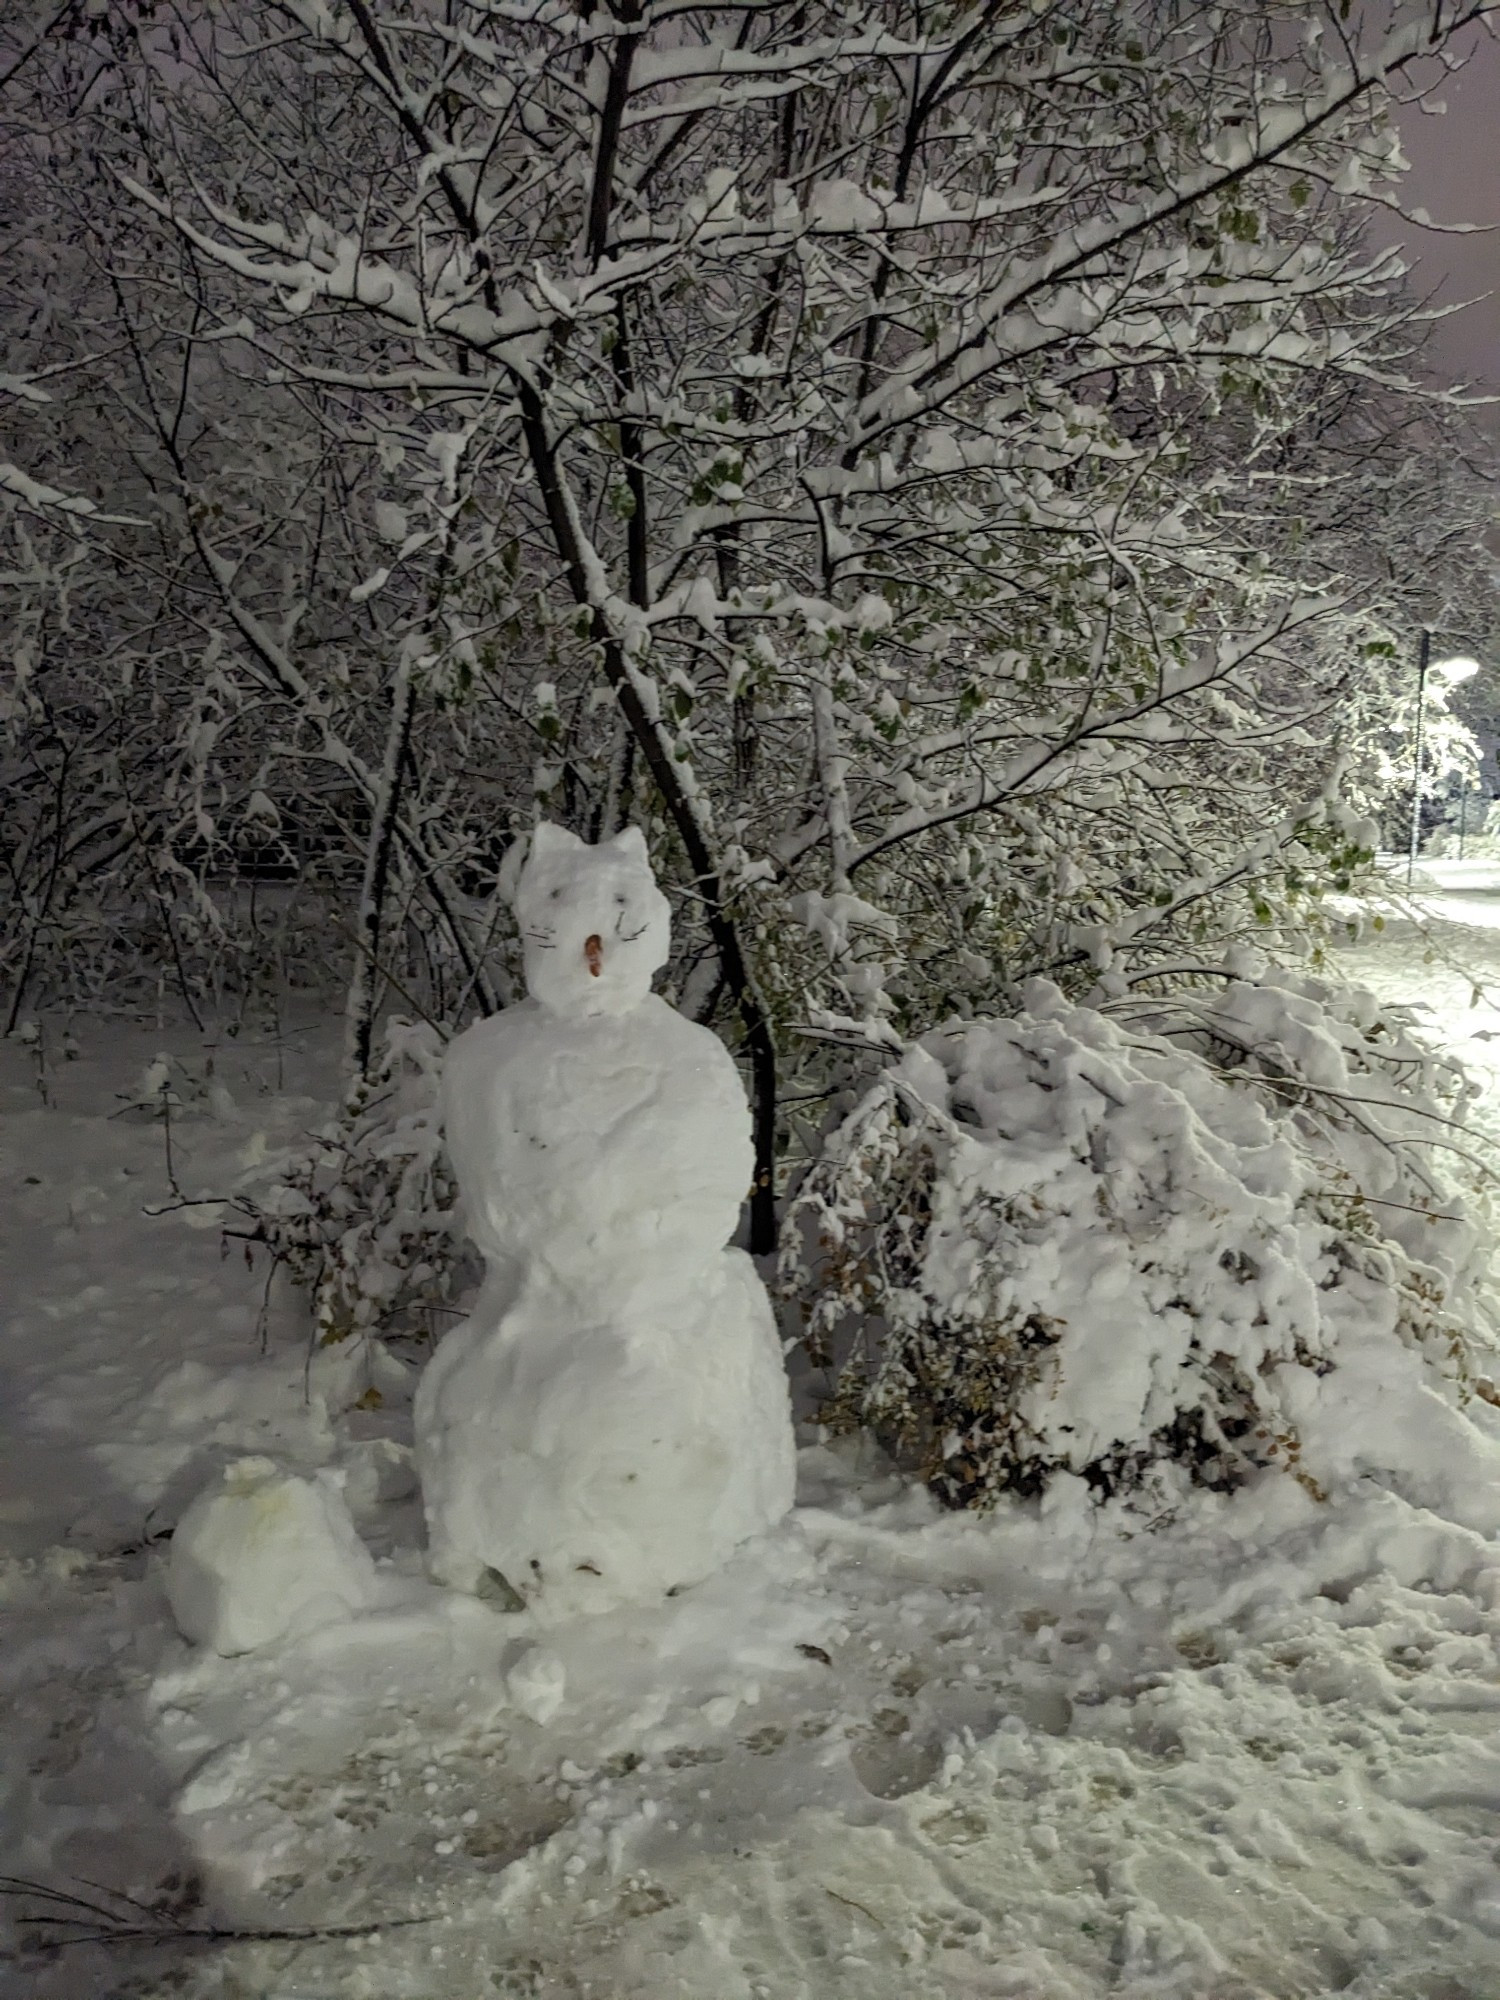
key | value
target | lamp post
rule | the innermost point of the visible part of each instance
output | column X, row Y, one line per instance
column 1449, row 673
column 1423, row 658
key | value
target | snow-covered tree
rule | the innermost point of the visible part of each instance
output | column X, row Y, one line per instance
column 199, row 688
column 883, row 445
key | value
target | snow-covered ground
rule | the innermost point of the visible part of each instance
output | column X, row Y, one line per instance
column 1447, row 968
column 885, row 1755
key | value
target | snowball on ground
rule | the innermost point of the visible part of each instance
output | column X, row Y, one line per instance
column 377, row 1473
column 537, row 1684
column 263, row 1554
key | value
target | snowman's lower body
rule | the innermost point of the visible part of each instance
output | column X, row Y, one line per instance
column 594, row 1456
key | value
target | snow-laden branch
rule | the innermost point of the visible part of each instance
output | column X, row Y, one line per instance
column 1021, row 775
column 945, row 367
column 40, row 498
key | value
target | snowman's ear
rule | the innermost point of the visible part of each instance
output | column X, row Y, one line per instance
column 632, row 845
column 548, row 839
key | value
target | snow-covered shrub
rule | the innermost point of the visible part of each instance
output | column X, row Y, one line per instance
column 1478, row 844
column 1097, row 1239
column 363, row 1217
column 1470, row 826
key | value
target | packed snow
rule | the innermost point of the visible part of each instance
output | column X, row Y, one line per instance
column 612, row 1420
column 261, row 1554
column 882, row 1753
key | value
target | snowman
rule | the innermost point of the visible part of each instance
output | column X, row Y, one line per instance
column 612, row 1421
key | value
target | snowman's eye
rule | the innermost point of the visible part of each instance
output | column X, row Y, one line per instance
column 621, row 901
column 554, row 893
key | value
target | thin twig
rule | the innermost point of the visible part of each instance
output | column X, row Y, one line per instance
column 97, row 1923
column 850, row 1904
column 389, row 977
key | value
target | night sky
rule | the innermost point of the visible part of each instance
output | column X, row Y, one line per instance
column 1456, row 178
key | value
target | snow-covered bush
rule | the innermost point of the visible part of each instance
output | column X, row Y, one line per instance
column 1479, row 840
column 1098, row 1239
column 363, row 1218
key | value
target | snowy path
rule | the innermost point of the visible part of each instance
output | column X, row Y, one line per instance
column 1450, row 976
column 886, row 1756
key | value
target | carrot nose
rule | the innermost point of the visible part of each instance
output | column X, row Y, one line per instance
column 593, row 954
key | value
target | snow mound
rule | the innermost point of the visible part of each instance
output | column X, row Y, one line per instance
column 1100, row 1250
column 263, row 1554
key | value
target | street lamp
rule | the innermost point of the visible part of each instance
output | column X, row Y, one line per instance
column 1450, row 673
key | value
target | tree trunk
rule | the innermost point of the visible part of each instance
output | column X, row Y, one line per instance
column 359, row 1009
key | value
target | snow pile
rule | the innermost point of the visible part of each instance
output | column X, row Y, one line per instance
column 1065, row 1243
column 262, row 1554
column 613, row 1419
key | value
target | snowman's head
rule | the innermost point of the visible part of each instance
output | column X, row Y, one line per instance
column 594, row 925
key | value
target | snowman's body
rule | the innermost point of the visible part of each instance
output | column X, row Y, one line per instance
column 613, row 1419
